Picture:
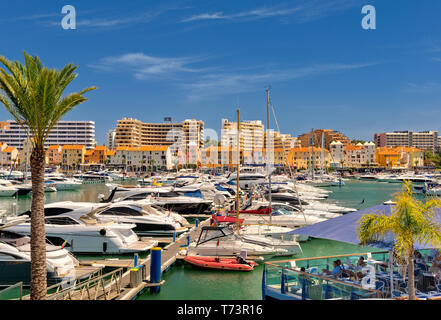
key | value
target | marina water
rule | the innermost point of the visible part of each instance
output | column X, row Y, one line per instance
column 186, row 282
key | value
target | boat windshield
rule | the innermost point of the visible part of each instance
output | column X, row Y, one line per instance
column 281, row 211
column 212, row 233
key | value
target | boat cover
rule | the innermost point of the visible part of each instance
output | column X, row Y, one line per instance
column 344, row 228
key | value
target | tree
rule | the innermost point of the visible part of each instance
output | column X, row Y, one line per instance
column 33, row 94
column 411, row 222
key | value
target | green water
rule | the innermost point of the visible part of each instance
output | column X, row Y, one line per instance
column 186, row 282
column 189, row 283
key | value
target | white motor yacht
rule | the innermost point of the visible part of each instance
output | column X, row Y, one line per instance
column 74, row 226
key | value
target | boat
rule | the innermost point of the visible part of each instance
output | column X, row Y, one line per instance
column 222, row 241
column 74, row 226
column 7, row 191
column 22, row 188
column 15, row 260
column 163, row 197
column 62, row 183
column 148, row 218
column 219, row 263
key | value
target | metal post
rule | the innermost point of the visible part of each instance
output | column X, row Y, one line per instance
column 282, row 283
column 135, row 260
column 264, row 282
column 174, row 236
column 188, row 240
column 155, row 268
column 197, row 223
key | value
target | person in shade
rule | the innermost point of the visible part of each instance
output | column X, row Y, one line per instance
column 336, row 271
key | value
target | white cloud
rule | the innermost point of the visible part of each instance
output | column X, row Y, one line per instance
column 142, row 65
column 233, row 83
column 307, row 11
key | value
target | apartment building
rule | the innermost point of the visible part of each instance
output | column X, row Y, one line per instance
column 399, row 157
column 315, row 138
column 73, row 156
column 353, row 156
column 98, row 155
column 63, row 133
column 54, row 155
column 302, row 158
column 139, row 158
column 424, row 140
column 252, row 135
column 110, row 139
column 8, row 155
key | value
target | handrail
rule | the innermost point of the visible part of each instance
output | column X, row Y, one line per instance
column 98, row 282
column 18, row 284
column 309, row 275
column 328, row 257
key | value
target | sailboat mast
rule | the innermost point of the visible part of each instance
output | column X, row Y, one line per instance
column 237, row 172
column 268, row 138
column 322, row 156
column 313, row 154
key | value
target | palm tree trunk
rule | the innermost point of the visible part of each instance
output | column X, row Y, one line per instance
column 38, row 233
column 411, row 276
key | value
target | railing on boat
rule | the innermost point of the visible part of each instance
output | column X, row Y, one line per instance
column 8, row 293
column 284, row 280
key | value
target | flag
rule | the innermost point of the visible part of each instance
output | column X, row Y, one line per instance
column 64, row 243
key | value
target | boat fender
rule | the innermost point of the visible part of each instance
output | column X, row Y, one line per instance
column 103, row 232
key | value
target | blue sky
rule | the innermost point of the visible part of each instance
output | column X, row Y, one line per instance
column 201, row 59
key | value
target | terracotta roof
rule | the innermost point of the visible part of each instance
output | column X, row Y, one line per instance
column 9, row 149
column 88, row 152
column 101, row 148
column 351, row 147
column 111, row 152
column 53, row 147
column 143, row 148
column 73, row 147
column 306, row 149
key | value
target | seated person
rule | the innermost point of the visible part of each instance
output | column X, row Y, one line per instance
column 344, row 272
column 359, row 267
column 241, row 260
column 335, row 272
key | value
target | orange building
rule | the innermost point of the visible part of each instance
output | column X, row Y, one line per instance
column 73, row 156
column 299, row 158
column 53, row 154
column 400, row 157
column 96, row 156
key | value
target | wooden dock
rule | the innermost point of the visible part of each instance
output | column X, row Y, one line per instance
column 168, row 258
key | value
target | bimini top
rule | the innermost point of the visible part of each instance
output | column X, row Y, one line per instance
column 344, row 228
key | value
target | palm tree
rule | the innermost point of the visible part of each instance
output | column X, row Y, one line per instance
column 32, row 93
column 411, row 222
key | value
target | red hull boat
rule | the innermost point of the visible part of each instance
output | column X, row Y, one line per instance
column 219, row 263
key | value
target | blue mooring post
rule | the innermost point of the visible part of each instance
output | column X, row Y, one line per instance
column 155, row 268
column 135, row 260
column 282, row 283
column 188, row 240
column 174, row 236
column 197, row 223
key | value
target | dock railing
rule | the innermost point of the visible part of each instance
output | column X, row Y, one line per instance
column 14, row 292
column 285, row 280
column 100, row 287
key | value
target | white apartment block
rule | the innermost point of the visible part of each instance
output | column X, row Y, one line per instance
column 110, row 139
column 353, row 156
column 63, row 133
column 251, row 135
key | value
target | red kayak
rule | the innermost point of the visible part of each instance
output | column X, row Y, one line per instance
column 219, row 263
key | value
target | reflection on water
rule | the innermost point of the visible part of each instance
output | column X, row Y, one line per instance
column 87, row 193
